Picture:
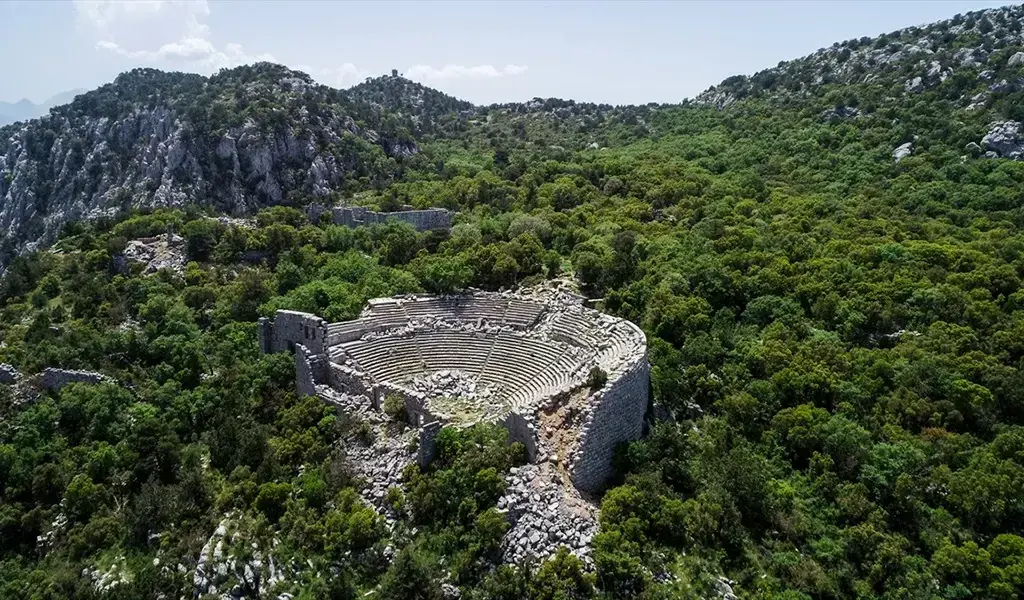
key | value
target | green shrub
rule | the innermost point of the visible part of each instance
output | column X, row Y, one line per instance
column 394, row 407
column 596, row 378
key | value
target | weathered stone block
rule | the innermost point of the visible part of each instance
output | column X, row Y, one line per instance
column 54, row 379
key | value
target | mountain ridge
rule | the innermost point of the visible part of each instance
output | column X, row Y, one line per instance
column 253, row 136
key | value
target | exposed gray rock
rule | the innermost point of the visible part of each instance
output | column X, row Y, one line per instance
column 725, row 591
column 1016, row 60
column 161, row 252
column 1002, row 86
column 218, row 571
column 973, row 148
column 914, row 85
column 8, row 374
column 1005, row 139
column 148, row 156
column 970, row 58
column 903, row 151
column 840, row 112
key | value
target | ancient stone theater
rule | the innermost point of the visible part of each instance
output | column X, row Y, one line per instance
column 567, row 381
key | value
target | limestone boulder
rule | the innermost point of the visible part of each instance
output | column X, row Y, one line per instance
column 1005, row 139
column 902, row 151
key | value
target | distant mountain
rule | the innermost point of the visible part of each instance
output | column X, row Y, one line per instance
column 24, row 109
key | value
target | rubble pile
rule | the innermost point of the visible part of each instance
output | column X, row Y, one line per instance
column 545, row 515
column 161, row 252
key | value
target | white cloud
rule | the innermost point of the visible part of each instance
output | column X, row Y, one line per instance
column 130, row 29
column 174, row 34
column 460, row 71
column 343, row 76
column 196, row 52
column 104, row 14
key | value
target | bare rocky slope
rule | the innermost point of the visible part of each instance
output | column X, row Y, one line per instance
column 237, row 141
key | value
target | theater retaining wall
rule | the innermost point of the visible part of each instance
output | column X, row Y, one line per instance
column 616, row 416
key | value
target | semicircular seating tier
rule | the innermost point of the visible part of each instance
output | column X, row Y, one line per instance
column 501, row 351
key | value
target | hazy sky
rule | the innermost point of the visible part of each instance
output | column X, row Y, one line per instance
column 633, row 52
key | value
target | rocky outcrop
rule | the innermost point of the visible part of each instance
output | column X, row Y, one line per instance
column 914, row 85
column 913, row 60
column 1004, row 140
column 119, row 148
column 161, row 252
column 839, row 113
column 902, row 151
column 8, row 374
column 219, row 569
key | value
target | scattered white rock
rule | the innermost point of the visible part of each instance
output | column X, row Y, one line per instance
column 8, row 374
column 1005, row 139
column 903, row 151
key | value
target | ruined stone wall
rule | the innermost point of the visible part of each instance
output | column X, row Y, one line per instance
column 265, row 335
column 427, row 449
column 421, row 220
column 415, row 403
column 522, row 429
column 314, row 210
column 347, row 380
column 292, row 328
column 310, row 370
column 616, row 416
column 55, row 379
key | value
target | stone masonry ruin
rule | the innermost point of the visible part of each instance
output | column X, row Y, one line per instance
column 522, row 361
column 357, row 216
column 485, row 357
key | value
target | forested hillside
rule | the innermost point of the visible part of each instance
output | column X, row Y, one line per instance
column 828, row 270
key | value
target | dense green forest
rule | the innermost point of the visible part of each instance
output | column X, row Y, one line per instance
column 837, row 336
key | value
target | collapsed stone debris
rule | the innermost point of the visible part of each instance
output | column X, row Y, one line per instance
column 154, row 253
column 524, row 361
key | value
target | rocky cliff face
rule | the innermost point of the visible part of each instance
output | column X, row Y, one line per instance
column 238, row 141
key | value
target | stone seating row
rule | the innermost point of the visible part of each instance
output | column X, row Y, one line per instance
column 473, row 309
column 524, row 369
column 573, row 329
column 523, row 314
column 387, row 314
column 554, row 379
column 387, row 358
column 458, row 350
column 515, row 360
